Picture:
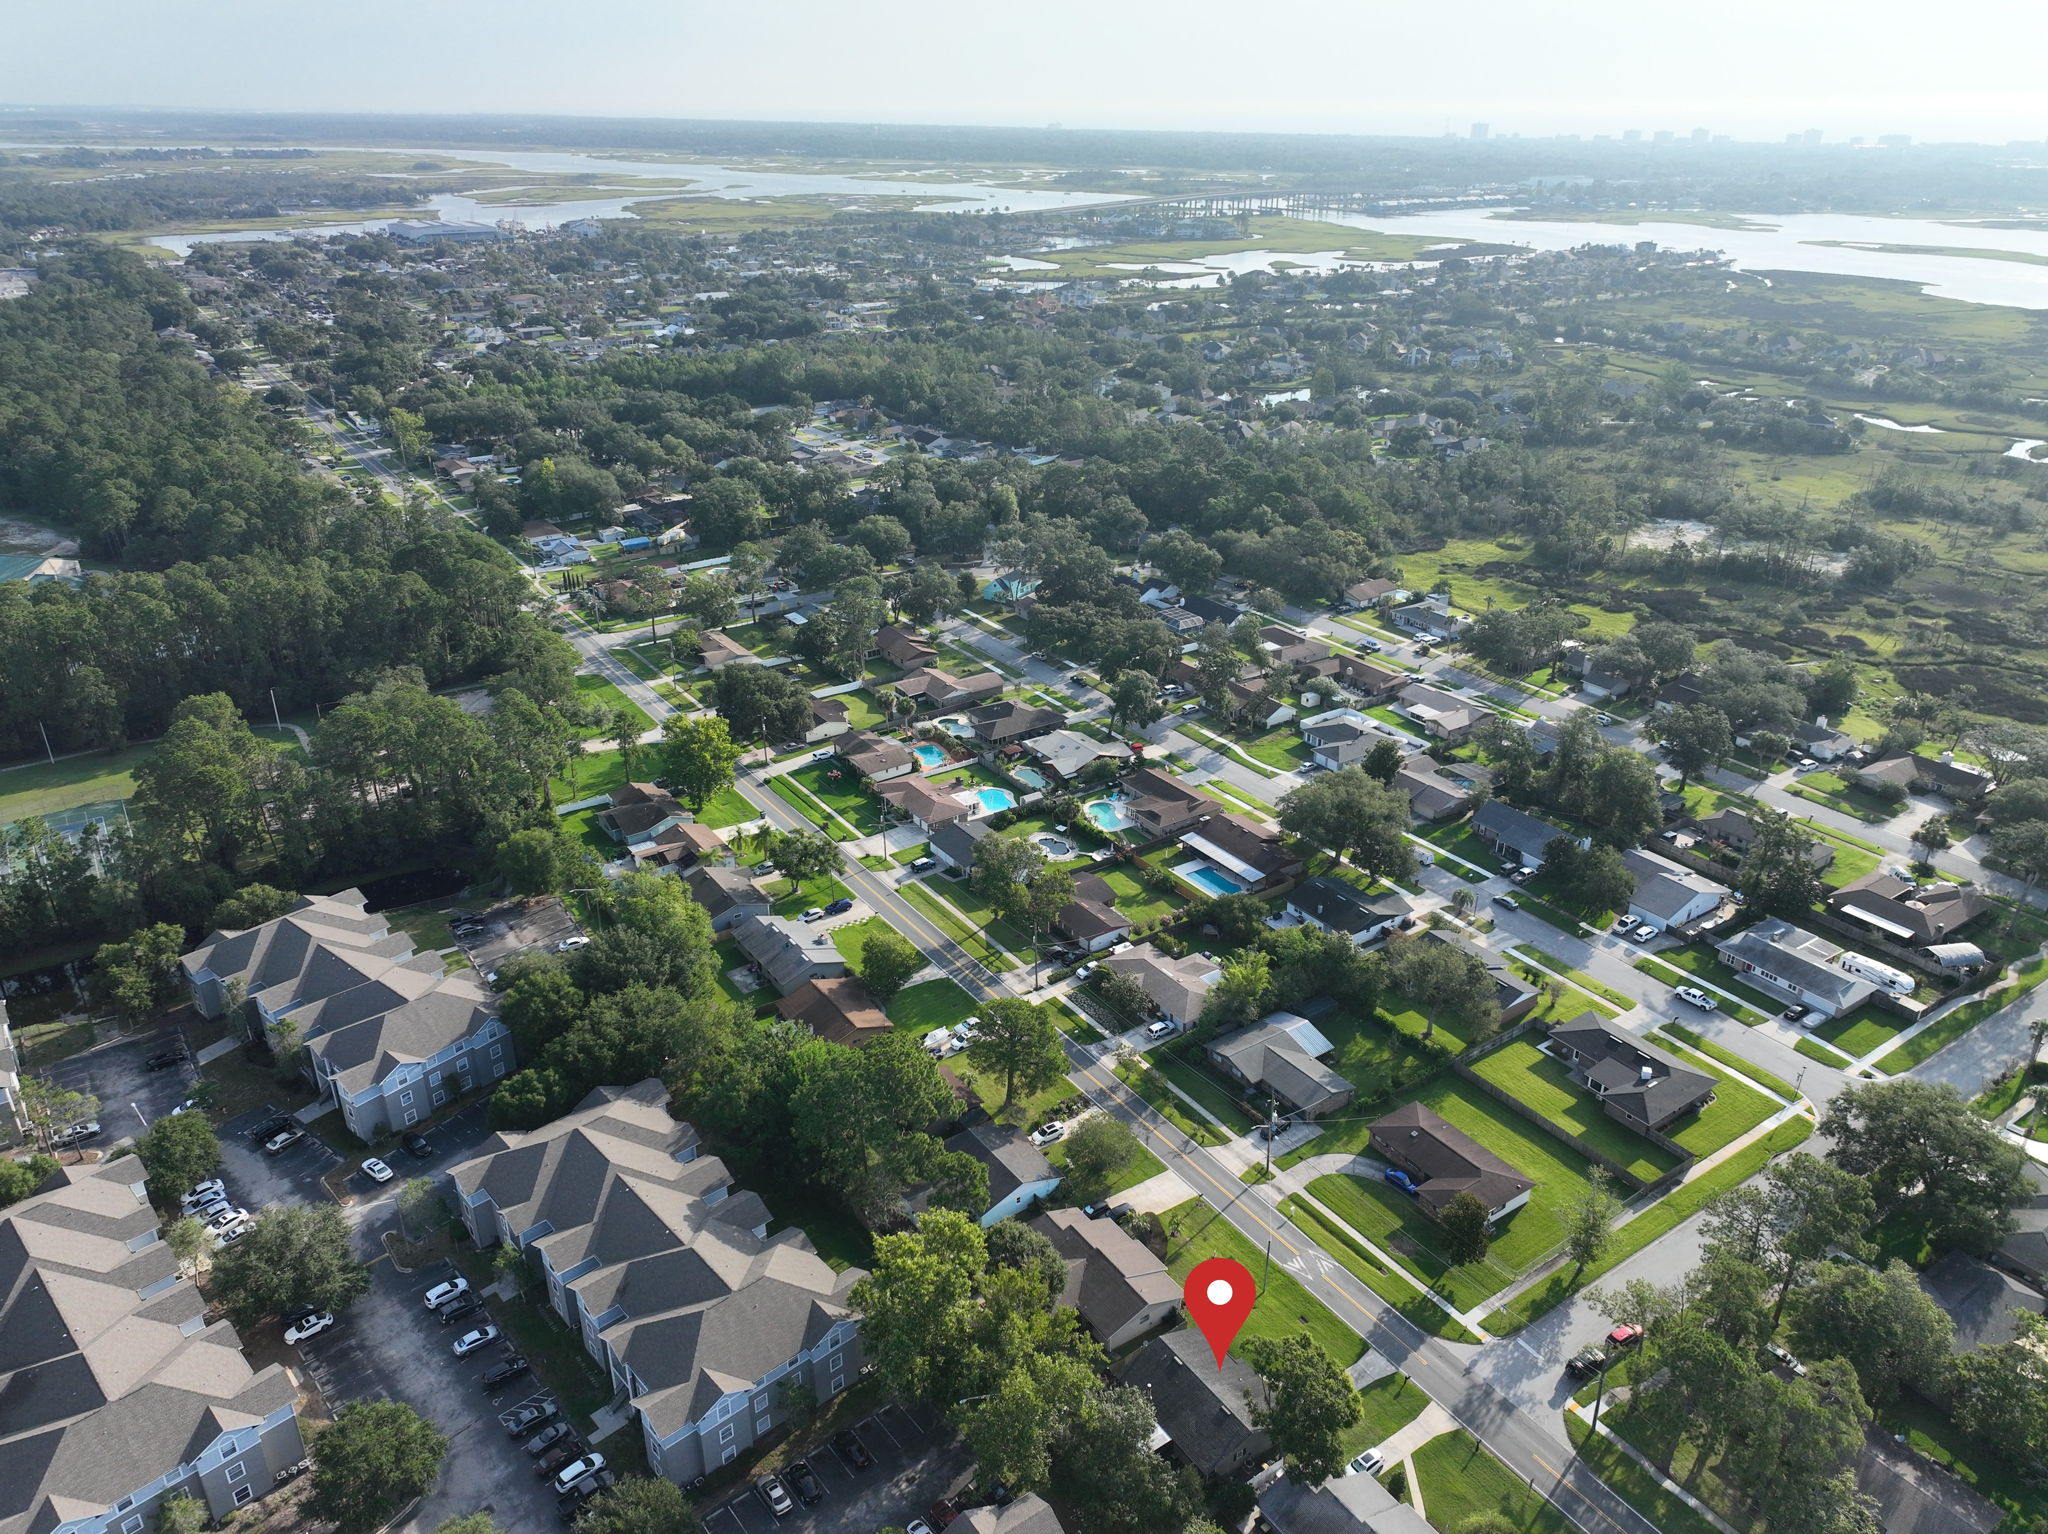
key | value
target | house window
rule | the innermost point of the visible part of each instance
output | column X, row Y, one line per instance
column 434, row 1080
column 440, row 1098
column 243, row 1494
column 132, row 1525
column 725, row 1434
column 404, row 1097
column 497, row 1067
column 237, row 1472
column 729, row 1456
column 838, row 1383
column 412, row 1115
column 497, row 1050
column 835, row 1364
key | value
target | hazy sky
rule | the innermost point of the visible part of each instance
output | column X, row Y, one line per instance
column 1754, row 68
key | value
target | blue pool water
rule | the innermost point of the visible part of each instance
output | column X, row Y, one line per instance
column 1107, row 815
column 929, row 755
column 1211, row 878
column 1030, row 777
column 993, row 799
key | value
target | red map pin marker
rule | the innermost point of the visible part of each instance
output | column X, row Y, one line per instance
column 1219, row 1295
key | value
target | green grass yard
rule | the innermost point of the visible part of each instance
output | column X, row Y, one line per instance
column 929, row 1004
column 842, row 790
column 44, row 788
column 594, row 692
column 950, row 922
column 1458, row 1479
column 1544, row 1085
column 1859, row 1032
column 1389, row 1283
column 1284, row 1309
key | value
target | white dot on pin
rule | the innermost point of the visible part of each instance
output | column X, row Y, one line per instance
column 1219, row 1291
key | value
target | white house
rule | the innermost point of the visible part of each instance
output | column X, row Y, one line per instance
column 1018, row 1173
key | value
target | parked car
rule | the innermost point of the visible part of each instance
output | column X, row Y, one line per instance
column 1371, row 1462
column 852, row 1450
column 1796, row 1013
column 462, row 1305
column 923, row 865
column 1370, row 646
column 1508, row 901
column 81, row 1133
column 1623, row 926
column 571, row 944
column 164, row 1059
column 547, row 1438
column 1625, row 1336
column 815, row 913
column 776, row 1495
column 570, row 1503
column 502, row 1374
column 283, row 1140
column 522, row 1420
column 377, row 1171
column 1400, row 1179
column 576, row 1470
column 1046, row 1133
column 840, row 905
column 271, row 1126
column 1603, row 719
column 469, row 1342
column 309, row 1326
column 1522, row 875
column 1784, row 1360
column 225, row 1216
column 441, row 1294
column 1586, row 1363
column 804, row 1482
column 228, row 1235
column 212, row 1191
column 561, row 1454
column 1692, row 995
column 1159, row 1030
column 417, row 1146
column 917, row 1526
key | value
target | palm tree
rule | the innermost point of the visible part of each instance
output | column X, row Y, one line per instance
column 1463, row 900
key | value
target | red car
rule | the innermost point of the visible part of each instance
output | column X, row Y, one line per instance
column 1624, row 1336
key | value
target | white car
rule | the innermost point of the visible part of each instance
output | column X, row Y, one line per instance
column 377, row 1171
column 211, row 1192
column 576, row 1470
column 1159, row 1030
column 469, row 1342
column 441, row 1294
column 312, row 1326
column 570, row 944
column 1045, row 1134
column 1371, row 1462
column 815, row 913
column 221, row 1218
column 1694, row 996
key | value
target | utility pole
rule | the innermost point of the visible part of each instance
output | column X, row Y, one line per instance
column 275, row 716
column 52, row 755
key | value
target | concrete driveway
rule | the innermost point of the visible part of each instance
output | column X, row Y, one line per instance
column 389, row 1346
column 914, row 1467
column 132, row 1096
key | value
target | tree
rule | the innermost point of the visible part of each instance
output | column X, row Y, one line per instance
column 1002, row 866
column 50, row 1106
column 1383, row 761
column 1883, row 1323
column 2001, row 1393
column 19, row 1179
column 294, row 1256
column 803, row 854
column 251, row 906
column 929, row 595
column 179, row 1151
column 1815, row 1207
column 1932, row 835
column 761, row 705
column 1013, row 1244
column 1184, row 560
column 1466, row 1232
column 1449, row 982
column 418, row 1201
column 917, row 1306
column 469, row 1523
column 136, row 977
column 888, row 960
column 1778, row 876
column 1098, row 1148
column 1694, row 737
column 1310, row 1404
column 639, row 1504
column 1589, row 1221
column 1134, row 701
column 1355, row 816
column 1592, row 878
column 1120, row 992
column 542, row 861
column 699, row 755
column 1021, row 1041
column 1625, row 800
column 2022, row 848
column 373, row 1459
column 1240, row 994
column 1930, row 1161
column 189, row 1240
column 180, row 1514
column 1486, row 1523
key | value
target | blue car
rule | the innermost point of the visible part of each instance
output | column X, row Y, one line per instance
column 1400, row 1179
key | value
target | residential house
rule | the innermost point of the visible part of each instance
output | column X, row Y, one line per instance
column 1028, row 1514
column 717, row 650
column 930, row 688
column 1955, row 780
column 1161, row 805
column 1339, row 737
column 1516, row 996
column 838, row 1010
column 1018, row 1173
column 730, row 895
column 1012, row 586
column 1119, row 1288
column 1069, row 753
column 2025, row 1251
column 640, row 812
column 1515, row 835
column 1176, row 987
column 1178, row 620
column 1010, row 719
column 1205, row 1412
column 1442, row 715
column 667, row 1275
column 1372, row 593
column 1252, row 703
column 1257, row 856
column 1432, row 618
column 1823, row 742
column 1681, row 692
column 389, row 1035
column 1436, row 791
column 1980, row 1300
column 13, row 1121
column 1733, row 829
column 1370, row 679
column 1284, row 646
column 874, row 758
column 929, row 805
column 678, row 847
column 1796, row 964
column 1668, row 895
column 1919, row 915
column 116, row 1394
column 953, row 843
column 828, row 720
column 1284, row 1055
column 1337, row 905
column 1598, row 686
column 1637, row 1083
column 1444, row 1161
column 1344, row 1504
column 905, row 647
column 789, row 951
column 1091, row 918
column 1211, row 610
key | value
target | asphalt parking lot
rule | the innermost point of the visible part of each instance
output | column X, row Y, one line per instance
column 492, row 936
column 389, row 1346
column 914, row 1467
column 256, row 1180
column 132, row 1096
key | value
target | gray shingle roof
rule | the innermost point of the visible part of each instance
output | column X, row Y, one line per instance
column 1512, row 828
column 1614, row 1061
column 1013, row 1162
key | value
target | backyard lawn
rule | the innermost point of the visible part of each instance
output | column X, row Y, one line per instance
column 843, row 790
column 1543, row 1083
column 1284, row 1309
column 848, row 938
column 595, row 692
column 930, row 1004
column 590, row 773
column 44, row 788
column 1737, row 1108
column 1134, row 900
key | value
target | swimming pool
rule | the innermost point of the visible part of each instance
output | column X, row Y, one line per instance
column 990, row 799
column 953, row 724
column 1209, row 877
column 1056, row 847
column 929, row 755
column 1108, row 815
column 1031, row 777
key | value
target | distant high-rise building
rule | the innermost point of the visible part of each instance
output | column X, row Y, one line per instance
column 1810, row 136
column 1699, row 135
column 1665, row 136
column 1632, row 136
column 1479, row 131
